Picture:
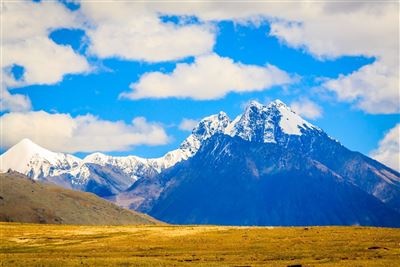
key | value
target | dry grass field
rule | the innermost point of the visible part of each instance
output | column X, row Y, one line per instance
column 29, row 201
column 163, row 245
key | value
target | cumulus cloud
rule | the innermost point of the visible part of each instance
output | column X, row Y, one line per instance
column 325, row 29
column 328, row 30
column 44, row 61
column 86, row 133
column 388, row 151
column 134, row 31
column 25, row 42
column 338, row 29
column 209, row 77
column 13, row 102
column 373, row 88
column 306, row 108
column 188, row 124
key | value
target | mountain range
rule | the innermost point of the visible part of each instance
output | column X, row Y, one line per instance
column 99, row 173
column 268, row 166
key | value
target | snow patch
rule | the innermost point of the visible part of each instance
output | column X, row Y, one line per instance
column 290, row 122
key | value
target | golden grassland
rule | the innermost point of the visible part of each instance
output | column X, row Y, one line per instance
column 166, row 245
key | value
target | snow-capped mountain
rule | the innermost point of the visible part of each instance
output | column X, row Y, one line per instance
column 35, row 161
column 271, row 167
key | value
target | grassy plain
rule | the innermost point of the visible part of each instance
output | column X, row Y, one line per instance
column 165, row 245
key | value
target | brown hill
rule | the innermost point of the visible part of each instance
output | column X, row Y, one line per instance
column 25, row 200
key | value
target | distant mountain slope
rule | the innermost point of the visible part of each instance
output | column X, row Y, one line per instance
column 241, row 183
column 270, row 167
column 97, row 173
column 26, row 200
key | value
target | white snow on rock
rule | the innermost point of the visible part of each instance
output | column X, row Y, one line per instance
column 206, row 128
column 259, row 121
column 130, row 165
column 290, row 122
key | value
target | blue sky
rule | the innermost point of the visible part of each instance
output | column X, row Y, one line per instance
column 319, row 75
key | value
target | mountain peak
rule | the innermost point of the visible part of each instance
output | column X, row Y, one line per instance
column 208, row 126
column 29, row 158
column 278, row 102
column 279, row 105
column 257, row 105
column 262, row 123
column 26, row 141
column 95, row 157
column 18, row 156
column 254, row 103
column 290, row 122
column 28, row 144
column 28, row 148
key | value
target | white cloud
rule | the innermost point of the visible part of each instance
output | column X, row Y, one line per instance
column 328, row 30
column 188, row 124
column 373, row 88
column 44, row 61
column 325, row 28
column 388, row 151
column 133, row 31
column 306, row 108
column 209, row 77
column 25, row 42
column 13, row 102
column 332, row 30
column 337, row 29
column 87, row 133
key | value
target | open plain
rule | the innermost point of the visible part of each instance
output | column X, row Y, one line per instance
column 168, row 245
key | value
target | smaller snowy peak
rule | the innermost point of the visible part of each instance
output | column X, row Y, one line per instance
column 130, row 165
column 206, row 128
column 26, row 149
column 253, row 104
column 97, row 158
column 35, row 161
column 278, row 102
column 211, row 125
column 251, row 124
column 102, row 159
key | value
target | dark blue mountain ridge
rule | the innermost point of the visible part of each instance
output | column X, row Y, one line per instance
column 270, row 167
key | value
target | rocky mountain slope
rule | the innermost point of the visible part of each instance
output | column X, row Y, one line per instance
column 270, row 167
